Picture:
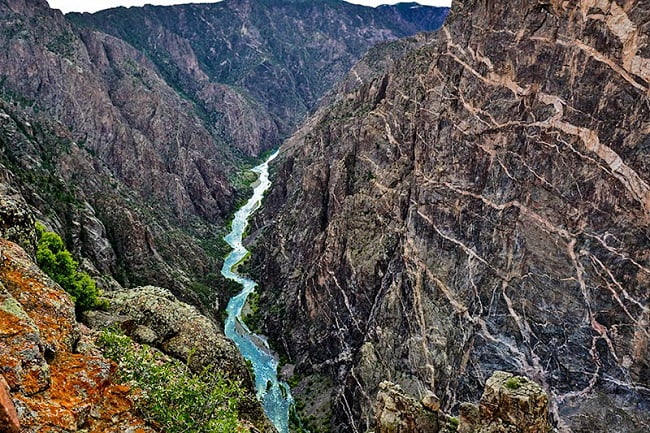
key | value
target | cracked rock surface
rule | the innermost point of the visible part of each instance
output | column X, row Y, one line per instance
column 484, row 204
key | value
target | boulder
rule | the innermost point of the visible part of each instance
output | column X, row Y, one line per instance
column 152, row 315
column 397, row 412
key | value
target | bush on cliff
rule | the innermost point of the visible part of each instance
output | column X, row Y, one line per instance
column 58, row 263
column 174, row 398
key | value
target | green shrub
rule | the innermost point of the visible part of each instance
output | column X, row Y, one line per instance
column 58, row 263
column 174, row 398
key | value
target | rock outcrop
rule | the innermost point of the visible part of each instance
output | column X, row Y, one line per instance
column 481, row 205
column 9, row 422
column 510, row 404
column 399, row 413
column 153, row 316
column 52, row 387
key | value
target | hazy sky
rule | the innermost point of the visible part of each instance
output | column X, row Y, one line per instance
column 95, row 5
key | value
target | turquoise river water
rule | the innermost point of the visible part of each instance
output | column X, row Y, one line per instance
column 273, row 394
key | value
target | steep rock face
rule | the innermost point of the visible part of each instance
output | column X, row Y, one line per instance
column 109, row 154
column 483, row 205
column 258, row 66
column 114, row 101
column 101, row 218
column 133, row 157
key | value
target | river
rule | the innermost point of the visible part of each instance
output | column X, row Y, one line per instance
column 274, row 394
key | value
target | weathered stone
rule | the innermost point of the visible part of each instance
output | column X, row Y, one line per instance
column 54, row 389
column 431, row 402
column 9, row 422
column 49, row 307
column 469, row 417
column 22, row 361
column 514, row 402
column 154, row 316
column 399, row 413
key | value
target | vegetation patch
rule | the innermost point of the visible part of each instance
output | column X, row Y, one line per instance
column 171, row 396
column 513, row 383
column 57, row 262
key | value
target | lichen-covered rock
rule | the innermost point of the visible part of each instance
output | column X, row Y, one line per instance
column 154, row 316
column 49, row 307
column 53, row 388
column 21, row 352
column 510, row 404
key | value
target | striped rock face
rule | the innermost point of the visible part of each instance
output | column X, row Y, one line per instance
column 480, row 205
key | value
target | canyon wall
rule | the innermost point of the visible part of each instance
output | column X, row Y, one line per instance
column 483, row 204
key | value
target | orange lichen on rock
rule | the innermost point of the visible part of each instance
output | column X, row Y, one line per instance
column 82, row 395
column 22, row 362
column 43, row 300
column 53, row 388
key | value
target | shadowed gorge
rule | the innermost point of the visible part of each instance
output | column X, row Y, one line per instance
column 147, row 135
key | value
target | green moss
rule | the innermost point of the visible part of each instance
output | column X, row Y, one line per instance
column 513, row 383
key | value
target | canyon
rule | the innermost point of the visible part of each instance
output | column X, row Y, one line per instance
column 135, row 155
column 458, row 222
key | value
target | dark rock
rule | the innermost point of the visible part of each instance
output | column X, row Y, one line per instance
column 482, row 205
column 16, row 221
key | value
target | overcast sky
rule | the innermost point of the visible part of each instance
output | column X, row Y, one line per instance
column 95, row 5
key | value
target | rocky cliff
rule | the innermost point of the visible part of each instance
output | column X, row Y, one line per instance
column 108, row 153
column 46, row 383
column 483, row 204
